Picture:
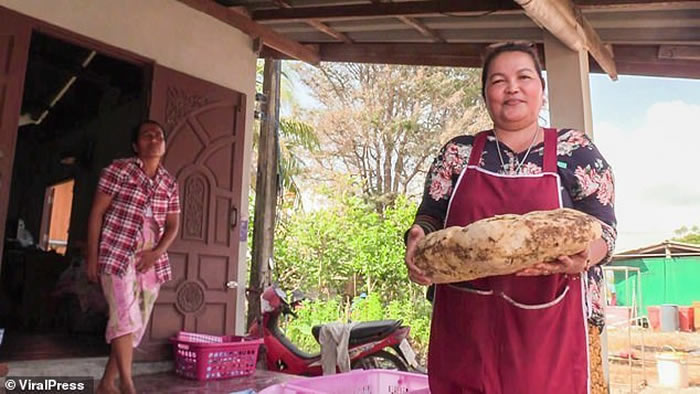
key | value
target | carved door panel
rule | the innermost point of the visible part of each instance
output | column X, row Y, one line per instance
column 204, row 123
column 15, row 34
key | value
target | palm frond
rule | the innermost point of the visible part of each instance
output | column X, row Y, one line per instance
column 298, row 134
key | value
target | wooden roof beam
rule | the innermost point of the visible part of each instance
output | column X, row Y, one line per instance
column 414, row 23
column 636, row 4
column 429, row 54
column 680, row 52
column 629, row 59
column 423, row 29
column 441, row 7
column 385, row 10
column 269, row 37
column 318, row 25
column 570, row 26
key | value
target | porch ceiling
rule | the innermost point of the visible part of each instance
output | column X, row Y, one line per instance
column 648, row 37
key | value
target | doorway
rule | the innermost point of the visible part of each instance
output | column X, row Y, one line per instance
column 55, row 221
column 77, row 110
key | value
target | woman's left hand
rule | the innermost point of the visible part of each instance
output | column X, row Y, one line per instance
column 574, row 264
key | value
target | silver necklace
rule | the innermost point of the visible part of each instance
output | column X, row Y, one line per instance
column 500, row 156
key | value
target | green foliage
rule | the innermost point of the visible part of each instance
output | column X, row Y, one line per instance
column 416, row 315
column 693, row 238
column 688, row 235
column 295, row 137
column 367, row 308
column 309, row 314
column 338, row 253
column 346, row 249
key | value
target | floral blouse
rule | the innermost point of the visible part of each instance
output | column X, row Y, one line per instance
column 586, row 178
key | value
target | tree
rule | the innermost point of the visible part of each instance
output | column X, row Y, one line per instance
column 348, row 259
column 346, row 249
column 688, row 235
column 295, row 137
column 384, row 123
column 277, row 175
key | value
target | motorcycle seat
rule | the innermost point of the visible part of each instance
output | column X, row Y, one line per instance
column 366, row 331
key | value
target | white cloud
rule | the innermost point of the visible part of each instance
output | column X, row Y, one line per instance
column 656, row 172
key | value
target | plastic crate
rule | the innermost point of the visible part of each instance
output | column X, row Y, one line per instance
column 373, row 381
column 210, row 357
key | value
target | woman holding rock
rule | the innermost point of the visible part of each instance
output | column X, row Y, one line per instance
column 529, row 332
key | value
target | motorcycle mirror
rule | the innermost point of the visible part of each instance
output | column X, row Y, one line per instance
column 281, row 294
column 297, row 296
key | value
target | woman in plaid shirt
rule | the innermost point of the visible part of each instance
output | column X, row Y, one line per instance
column 134, row 219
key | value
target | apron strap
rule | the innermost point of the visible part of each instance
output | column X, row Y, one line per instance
column 550, row 150
column 477, row 148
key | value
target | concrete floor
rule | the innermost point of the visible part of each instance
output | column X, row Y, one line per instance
column 90, row 366
column 170, row 383
column 152, row 377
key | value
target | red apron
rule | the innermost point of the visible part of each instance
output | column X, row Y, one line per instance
column 508, row 334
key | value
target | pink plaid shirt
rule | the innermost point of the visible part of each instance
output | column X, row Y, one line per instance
column 134, row 195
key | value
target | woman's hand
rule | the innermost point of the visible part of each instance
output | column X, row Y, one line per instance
column 415, row 234
column 91, row 268
column 574, row 264
column 146, row 260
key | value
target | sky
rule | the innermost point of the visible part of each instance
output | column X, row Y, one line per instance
column 648, row 129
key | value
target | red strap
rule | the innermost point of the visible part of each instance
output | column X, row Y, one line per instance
column 477, row 148
column 550, row 150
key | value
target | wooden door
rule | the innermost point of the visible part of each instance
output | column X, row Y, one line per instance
column 204, row 123
column 15, row 34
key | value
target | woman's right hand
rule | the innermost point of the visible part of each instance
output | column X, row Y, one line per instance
column 91, row 268
column 415, row 234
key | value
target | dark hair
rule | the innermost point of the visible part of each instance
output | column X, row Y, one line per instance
column 494, row 50
column 137, row 129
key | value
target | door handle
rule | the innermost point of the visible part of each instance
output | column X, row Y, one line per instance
column 231, row 284
column 234, row 217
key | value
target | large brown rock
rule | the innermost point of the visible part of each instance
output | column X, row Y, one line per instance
column 504, row 244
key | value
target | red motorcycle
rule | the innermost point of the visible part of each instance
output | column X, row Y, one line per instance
column 368, row 346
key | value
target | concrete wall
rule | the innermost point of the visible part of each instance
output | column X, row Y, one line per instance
column 171, row 34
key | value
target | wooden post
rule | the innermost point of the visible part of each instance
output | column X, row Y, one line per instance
column 266, row 188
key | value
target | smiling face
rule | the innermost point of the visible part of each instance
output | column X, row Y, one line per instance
column 514, row 92
column 150, row 142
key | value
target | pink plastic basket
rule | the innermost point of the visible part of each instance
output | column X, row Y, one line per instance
column 373, row 381
column 209, row 357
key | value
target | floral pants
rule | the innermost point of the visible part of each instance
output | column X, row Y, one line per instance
column 131, row 297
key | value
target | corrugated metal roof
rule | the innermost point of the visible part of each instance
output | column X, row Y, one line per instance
column 636, row 30
column 669, row 248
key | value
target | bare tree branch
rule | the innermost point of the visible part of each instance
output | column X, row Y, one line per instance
column 382, row 123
